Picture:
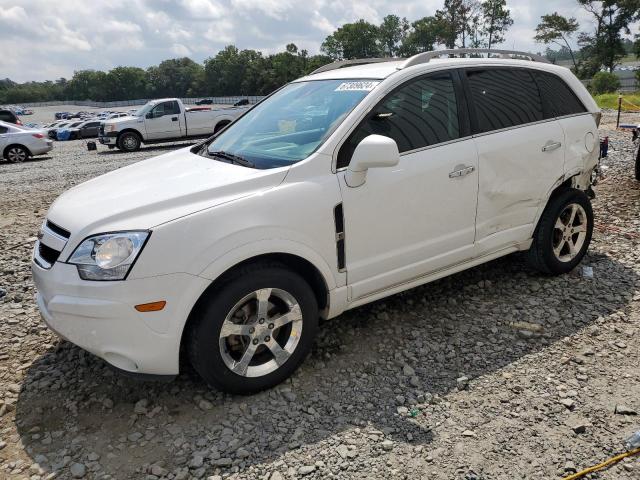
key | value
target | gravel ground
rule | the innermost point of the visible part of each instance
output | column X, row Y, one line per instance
column 493, row 373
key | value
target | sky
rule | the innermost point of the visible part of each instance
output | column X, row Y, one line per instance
column 46, row 40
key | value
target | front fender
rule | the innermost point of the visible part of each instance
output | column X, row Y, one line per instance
column 269, row 246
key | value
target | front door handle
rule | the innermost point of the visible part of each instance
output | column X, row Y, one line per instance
column 174, row 119
column 551, row 146
column 461, row 171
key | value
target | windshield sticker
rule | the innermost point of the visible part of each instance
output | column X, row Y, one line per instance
column 357, row 86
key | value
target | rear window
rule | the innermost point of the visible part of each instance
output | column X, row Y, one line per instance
column 557, row 97
column 7, row 116
column 504, row 98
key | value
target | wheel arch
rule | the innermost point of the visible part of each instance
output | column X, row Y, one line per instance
column 560, row 186
column 131, row 130
column 221, row 123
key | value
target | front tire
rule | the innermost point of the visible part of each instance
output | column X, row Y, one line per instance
column 563, row 234
column 129, row 142
column 16, row 154
column 255, row 330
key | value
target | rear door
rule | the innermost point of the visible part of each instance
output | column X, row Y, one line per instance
column 4, row 136
column 520, row 154
column 165, row 121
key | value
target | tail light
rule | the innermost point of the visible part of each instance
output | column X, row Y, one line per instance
column 597, row 116
column 18, row 122
column 38, row 135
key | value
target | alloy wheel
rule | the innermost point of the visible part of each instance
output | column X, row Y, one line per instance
column 260, row 332
column 16, row 154
column 570, row 232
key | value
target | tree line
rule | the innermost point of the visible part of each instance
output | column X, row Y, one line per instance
column 458, row 24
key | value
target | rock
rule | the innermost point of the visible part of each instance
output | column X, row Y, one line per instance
column 205, row 405
column 408, row 371
column 468, row 433
column 578, row 424
column 242, row 453
column 624, row 410
column 462, row 382
column 387, row 445
column 107, row 403
column 141, row 406
column 196, row 462
column 93, row 457
column 158, row 471
column 134, row 437
column 567, row 402
column 214, row 477
column 276, row 476
column 222, row 462
column 306, row 469
column 78, row 470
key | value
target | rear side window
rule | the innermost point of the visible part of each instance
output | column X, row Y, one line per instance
column 7, row 116
column 3, row 129
column 418, row 114
column 557, row 97
column 504, row 98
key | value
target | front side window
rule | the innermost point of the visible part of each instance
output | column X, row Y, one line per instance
column 421, row 113
column 504, row 98
column 291, row 124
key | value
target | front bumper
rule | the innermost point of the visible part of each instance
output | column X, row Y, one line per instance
column 100, row 316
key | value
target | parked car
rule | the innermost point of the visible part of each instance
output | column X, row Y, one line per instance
column 63, row 133
column 87, row 129
column 62, row 115
column 164, row 120
column 340, row 189
column 205, row 101
column 18, row 143
column 9, row 116
column 241, row 103
column 53, row 128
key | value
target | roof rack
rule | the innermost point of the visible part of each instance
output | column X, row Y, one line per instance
column 510, row 54
column 348, row 63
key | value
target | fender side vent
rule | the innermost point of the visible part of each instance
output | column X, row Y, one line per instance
column 338, row 216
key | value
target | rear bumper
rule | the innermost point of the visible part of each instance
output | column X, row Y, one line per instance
column 41, row 149
column 100, row 316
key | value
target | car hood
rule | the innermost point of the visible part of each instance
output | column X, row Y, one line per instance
column 155, row 191
column 128, row 118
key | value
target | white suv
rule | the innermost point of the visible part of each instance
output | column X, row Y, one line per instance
column 339, row 189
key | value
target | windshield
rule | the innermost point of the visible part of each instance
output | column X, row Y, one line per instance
column 142, row 111
column 289, row 126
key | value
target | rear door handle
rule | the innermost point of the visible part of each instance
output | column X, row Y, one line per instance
column 462, row 171
column 551, row 146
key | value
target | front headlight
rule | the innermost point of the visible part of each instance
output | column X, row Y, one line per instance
column 108, row 256
column 110, row 128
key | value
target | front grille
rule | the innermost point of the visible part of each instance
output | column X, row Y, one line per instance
column 59, row 230
column 48, row 254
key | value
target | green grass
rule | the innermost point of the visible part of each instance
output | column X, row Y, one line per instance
column 610, row 100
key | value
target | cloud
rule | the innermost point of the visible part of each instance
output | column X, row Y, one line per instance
column 42, row 39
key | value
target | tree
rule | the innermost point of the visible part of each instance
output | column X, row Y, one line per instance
column 393, row 32
column 353, row 40
column 554, row 28
column 422, row 37
column 604, row 82
column 450, row 20
column 126, row 83
column 178, row 77
column 604, row 46
column 496, row 21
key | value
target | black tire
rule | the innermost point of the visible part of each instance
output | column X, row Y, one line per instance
column 638, row 165
column 129, row 142
column 16, row 153
column 541, row 255
column 207, row 351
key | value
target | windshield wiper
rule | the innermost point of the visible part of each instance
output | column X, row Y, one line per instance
column 237, row 159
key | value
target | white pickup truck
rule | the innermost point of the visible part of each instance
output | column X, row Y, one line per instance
column 165, row 120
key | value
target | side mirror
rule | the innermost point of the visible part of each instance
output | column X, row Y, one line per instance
column 374, row 151
column 149, row 115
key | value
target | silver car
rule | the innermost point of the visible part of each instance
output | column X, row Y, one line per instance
column 18, row 143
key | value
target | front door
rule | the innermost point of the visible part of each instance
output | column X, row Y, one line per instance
column 164, row 121
column 418, row 217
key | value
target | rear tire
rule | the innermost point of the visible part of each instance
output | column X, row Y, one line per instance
column 129, row 142
column 16, row 154
column 253, row 331
column 563, row 234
